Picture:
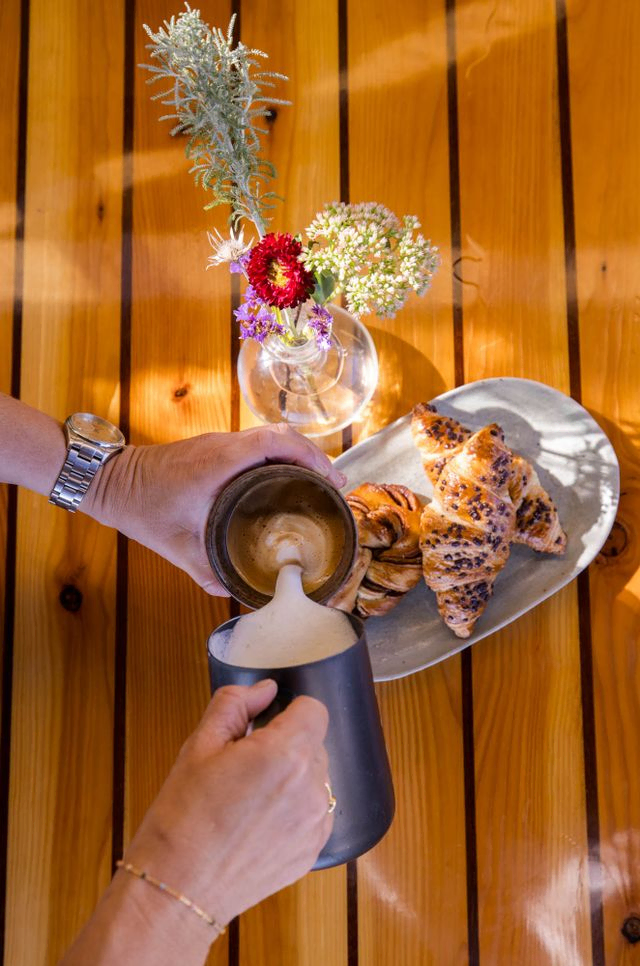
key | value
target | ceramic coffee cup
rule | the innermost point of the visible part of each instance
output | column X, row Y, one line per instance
column 277, row 487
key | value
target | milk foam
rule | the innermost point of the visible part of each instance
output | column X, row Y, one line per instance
column 289, row 630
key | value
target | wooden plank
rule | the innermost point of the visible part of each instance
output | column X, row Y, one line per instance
column 179, row 388
column 532, row 860
column 304, row 925
column 399, row 156
column 605, row 91
column 411, row 887
column 9, row 80
column 61, row 755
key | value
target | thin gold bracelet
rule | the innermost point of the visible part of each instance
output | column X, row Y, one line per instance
column 163, row 887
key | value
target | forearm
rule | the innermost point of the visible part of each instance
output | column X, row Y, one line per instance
column 135, row 923
column 33, row 449
column 32, row 446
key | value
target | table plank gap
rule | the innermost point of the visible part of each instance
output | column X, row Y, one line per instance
column 398, row 140
column 575, row 382
column 529, row 780
column 122, row 553
column 180, row 387
column 13, row 83
column 306, row 924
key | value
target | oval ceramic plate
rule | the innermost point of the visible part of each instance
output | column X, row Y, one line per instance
column 576, row 463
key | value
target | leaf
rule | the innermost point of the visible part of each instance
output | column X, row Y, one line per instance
column 325, row 287
column 216, row 92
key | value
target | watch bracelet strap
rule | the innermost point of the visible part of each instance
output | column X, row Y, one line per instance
column 78, row 470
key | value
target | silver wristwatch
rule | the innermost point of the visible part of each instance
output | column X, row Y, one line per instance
column 91, row 442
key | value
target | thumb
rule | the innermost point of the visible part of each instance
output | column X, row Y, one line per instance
column 230, row 711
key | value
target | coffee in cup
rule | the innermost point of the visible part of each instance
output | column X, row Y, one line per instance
column 275, row 515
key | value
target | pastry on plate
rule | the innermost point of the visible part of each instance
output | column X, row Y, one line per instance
column 439, row 438
column 467, row 529
column 389, row 559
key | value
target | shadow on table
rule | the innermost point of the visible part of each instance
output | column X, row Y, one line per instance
column 619, row 558
column 406, row 377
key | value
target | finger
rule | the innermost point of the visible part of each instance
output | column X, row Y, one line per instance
column 214, row 588
column 326, row 829
column 304, row 721
column 326, row 817
column 321, row 761
column 280, row 442
column 231, row 709
column 196, row 565
column 206, row 579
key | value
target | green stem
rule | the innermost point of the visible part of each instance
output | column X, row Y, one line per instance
column 254, row 212
column 258, row 222
column 283, row 314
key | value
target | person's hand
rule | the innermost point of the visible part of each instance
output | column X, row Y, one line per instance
column 161, row 495
column 239, row 817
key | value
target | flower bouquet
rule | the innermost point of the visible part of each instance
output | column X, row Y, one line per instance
column 304, row 360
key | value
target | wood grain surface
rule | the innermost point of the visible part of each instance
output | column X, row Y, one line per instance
column 511, row 128
column 530, row 811
column 605, row 87
column 303, row 144
column 179, row 388
column 62, row 722
column 398, row 151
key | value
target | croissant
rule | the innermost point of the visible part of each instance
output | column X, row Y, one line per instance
column 537, row 521
column 466, row 531
column 389, row 561
column 439, row 438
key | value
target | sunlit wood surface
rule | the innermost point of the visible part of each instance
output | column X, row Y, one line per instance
column 512, row 129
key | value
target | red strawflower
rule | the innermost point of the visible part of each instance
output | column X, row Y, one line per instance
column 276, row 272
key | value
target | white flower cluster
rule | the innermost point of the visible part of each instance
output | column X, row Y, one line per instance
column 374, row 258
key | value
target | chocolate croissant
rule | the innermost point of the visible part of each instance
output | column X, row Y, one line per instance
column 389, row 562
column 537, row 521
column 467, row 529
column 439, row 438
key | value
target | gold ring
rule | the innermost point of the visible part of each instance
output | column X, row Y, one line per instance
column 332, row 801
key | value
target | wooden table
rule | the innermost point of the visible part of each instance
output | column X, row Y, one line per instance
column 511, row 128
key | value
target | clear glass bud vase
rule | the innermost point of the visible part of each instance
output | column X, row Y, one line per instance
column 316, row 391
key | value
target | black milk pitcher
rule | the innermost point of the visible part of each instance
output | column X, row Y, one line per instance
column 358, row 763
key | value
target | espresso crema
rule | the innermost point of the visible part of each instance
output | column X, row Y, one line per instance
column 283, row 524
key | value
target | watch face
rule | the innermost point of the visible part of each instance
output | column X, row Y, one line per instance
column 95, row 429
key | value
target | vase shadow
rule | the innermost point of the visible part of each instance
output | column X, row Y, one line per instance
column 406, row 376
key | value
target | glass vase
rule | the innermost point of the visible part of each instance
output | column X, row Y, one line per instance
column 316, row 391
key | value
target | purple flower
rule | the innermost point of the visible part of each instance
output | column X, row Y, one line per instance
column 238, row 267
column 320, row 323
column 256, row 319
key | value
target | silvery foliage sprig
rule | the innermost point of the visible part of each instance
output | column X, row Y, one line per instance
column 217, row 93
column 365, row 251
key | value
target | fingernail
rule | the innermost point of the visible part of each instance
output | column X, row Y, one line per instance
column 263, row 683
column 342, row 479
